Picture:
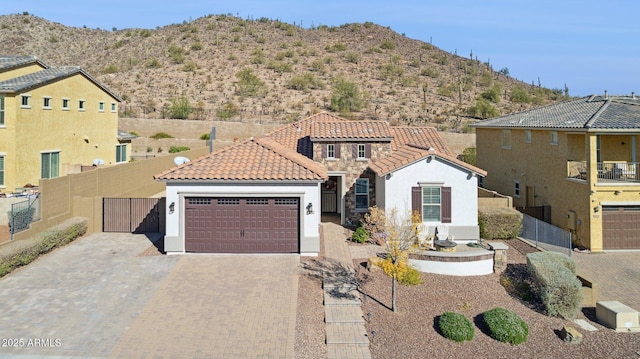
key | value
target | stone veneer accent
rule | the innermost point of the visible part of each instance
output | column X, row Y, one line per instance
column 354, row 169
column 443, row 258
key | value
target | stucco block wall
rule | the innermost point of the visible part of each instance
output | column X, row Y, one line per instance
column 79, row 136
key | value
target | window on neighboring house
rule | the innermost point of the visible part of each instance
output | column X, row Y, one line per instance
column 1, row 110
column 121, row 153
column 516, row 189
column 433, row 203
column 113, row 107
column 25, row 101
column 50, row 164
column 65, row 103
column 362, row 151
column 554, row 137
column 46, row 103
column 1, row 170
column 81, row 105
column 506, row 139
column 527, row 136
column 101, row 106
column 362, row 194
column 331, row 150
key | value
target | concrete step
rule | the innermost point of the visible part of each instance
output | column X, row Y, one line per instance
column 333, row 282
column 339, row 298
column 343, row 314
column 348, row 351
column 346, row 334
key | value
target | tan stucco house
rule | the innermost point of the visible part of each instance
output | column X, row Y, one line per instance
column 267, row 194
column 578, row 158
column 53, row 121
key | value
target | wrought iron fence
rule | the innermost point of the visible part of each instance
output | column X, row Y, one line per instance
column 23, row 213
column 545, row 235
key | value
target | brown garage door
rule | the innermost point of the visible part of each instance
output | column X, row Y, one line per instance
column 621, row 227
column 241, row 225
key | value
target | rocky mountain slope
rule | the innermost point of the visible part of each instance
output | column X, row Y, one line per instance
column 224, row 67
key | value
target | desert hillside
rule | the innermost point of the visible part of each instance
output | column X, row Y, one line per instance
column 220, row 67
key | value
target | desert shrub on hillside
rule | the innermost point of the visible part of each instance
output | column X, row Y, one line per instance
column 346, row 96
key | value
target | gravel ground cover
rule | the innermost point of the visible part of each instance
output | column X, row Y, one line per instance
column 412, row 331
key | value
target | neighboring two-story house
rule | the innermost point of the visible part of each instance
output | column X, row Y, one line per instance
column 53, row 120
column 578, row 158
column 267, row 194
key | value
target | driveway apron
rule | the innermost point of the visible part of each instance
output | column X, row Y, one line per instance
column 80, row 299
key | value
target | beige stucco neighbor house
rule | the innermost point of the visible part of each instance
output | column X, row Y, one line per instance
column 267, row 194
column 53, row 120
column 579, row 158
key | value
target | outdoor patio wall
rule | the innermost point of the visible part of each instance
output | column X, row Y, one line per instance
column 80, row 195
column 493, row 199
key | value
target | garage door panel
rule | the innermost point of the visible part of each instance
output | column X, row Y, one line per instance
column 621, row 227
column 242, row 225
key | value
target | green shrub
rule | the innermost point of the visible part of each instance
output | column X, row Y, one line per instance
column 205, row 136
column 160, row 135
column 455, row 326
column 499, row 223
column 411, row 276
column 360, row 235
column 556, row 283
column 228, row 110
column 506, row 326
column 519, row 94
column 110, row 69
column 176, row 149
column 19, row 253
column 483, row 109
column 387, row 45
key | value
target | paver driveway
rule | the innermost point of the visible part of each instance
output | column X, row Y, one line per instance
column 98, row 298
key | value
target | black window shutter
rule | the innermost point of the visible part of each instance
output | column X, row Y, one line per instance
column 416, row 200
column 337, row 150
column 367, row 150
column 446, row 204
column 324, row 150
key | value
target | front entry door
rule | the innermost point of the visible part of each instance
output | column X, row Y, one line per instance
column 330, row 195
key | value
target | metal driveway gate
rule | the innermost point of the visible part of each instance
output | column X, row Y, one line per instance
column 132, row 215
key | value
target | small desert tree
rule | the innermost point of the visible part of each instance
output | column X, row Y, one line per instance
column 346, row 96
column 180, row 107
column 401, row 232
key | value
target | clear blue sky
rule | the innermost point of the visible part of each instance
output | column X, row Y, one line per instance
column 592, row 46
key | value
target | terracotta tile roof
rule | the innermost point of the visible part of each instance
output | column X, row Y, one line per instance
column 409, row 154
column 258, row 159
column 346, row 130
column 419, row 136
column 296, row 135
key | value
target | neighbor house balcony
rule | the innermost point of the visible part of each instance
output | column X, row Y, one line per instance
column 608, row 171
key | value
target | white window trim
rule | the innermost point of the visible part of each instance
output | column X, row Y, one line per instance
column 364, row 151
column 100, row 104
column 114, row 107
column 63, row 106
column 506, row 146
column 527, row 136
column 356, row 194
column 554, row 137
column 439, row 205
column 28, row 97
column 516, row 189
column 84, row 105
column 44, row 98
column 331, row 154
column 125, row 156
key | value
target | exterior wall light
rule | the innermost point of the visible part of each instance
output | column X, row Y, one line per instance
column 309, row 208
column 172, row 207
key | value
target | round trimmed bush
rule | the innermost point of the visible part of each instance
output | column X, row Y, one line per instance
column 455, row 326
column 360, row 235
column 506, row 326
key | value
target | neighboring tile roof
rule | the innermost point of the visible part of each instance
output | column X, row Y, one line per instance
column 12, row 62
column 346, row 130
column 593, row 112
column 420, row 136
column 258, row 159
column 46, row 76
column 125, row 136
column 409, row 154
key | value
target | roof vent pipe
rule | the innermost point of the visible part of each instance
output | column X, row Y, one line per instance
column 605, row 94
column 633, row 95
